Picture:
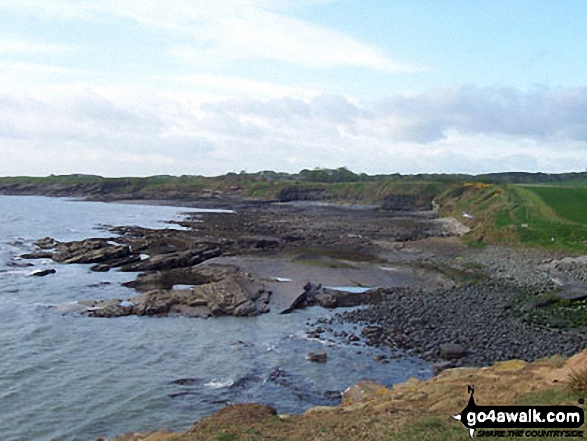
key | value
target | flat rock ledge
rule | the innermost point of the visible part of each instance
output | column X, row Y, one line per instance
column 184, row 281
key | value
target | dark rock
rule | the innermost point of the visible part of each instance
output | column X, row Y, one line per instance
column 105, row 267
column 291, row 238
column 245, row 382
column 166, row 279
column 187, row 381
column 42, row 273
column 289, row 194
column 299, row 302
column 327, row 299
column 333, row 395
column 259, row 243
column 89, row 251
column 452, row 351
column 262, row 308
column 46, row 243
column 317, row 357
column 311, row 290
column 380, row 358
column 241, row 344
column 190, row 311
column 20, row 264
column 37, row 255
column 353, row 337
column 111, row 310
column 168, row 261
column 288, row 381
column 369, row 331
column 245, row 309
column 331, row 298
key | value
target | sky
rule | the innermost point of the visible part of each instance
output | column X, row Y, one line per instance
column 149, row 87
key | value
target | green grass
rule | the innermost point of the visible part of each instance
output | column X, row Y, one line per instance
column 569, row 203
column 503, row 219
column 572, row 183
column 553, row 217
column 561, row 314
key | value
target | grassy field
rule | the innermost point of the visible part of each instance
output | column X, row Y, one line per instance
column 549, row 216
column 569, row 203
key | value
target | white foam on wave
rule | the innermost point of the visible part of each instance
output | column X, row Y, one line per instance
column 219, row 383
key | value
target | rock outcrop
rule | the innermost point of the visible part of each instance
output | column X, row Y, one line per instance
column 226, row 293
column 332, row 298
column 289, row 194
column 89, row 251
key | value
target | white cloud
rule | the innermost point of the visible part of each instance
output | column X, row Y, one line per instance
column 543, row 113
column 253, row 33
column 18, row 45
column 227, row 30
column 222, row 85
column 122, row 131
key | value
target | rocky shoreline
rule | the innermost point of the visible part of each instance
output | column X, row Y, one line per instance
column 486, row 314
column 426, row 291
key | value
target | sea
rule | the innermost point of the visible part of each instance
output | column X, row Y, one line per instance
column 68, row 377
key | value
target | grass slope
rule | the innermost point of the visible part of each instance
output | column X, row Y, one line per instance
column 545, row 216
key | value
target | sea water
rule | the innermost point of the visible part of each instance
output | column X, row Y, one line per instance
column 68, row 377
